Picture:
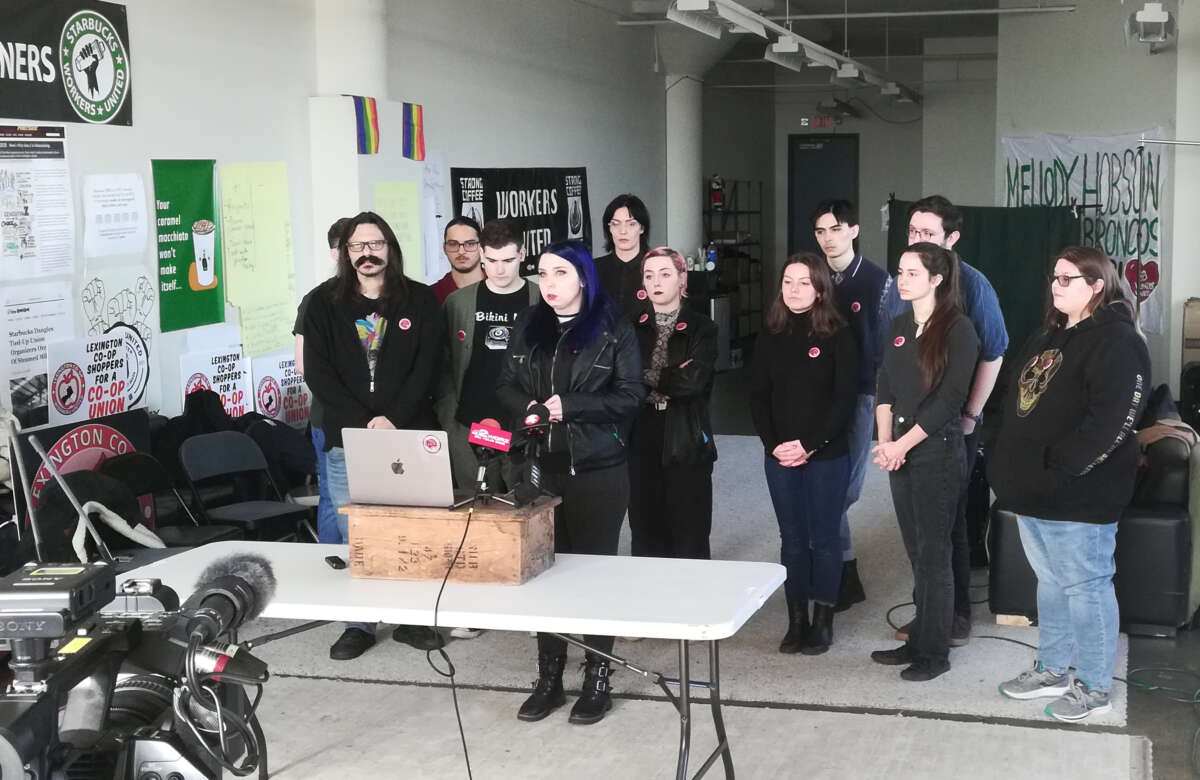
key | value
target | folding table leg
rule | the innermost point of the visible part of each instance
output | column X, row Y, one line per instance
column 714, row 701
column 685, row 711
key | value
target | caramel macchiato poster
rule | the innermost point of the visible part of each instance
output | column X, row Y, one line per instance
column 190, row 284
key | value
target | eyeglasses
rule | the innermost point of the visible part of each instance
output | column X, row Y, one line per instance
column 924, row 235
column 629, row 224
column 358, row 246
column 453, row 246
column 1064, row 280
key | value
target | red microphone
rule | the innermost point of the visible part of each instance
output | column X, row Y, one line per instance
column 488, row 433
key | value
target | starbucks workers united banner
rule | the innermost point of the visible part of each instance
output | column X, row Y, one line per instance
column 551, row 204
column 189, row 252
column 65, row 61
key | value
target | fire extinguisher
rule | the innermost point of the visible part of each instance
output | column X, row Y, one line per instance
column 716, row 192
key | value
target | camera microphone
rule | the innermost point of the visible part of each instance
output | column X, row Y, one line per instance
column 229, row 592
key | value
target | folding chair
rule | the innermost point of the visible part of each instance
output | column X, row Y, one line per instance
column 229, row 454
column 144, row 475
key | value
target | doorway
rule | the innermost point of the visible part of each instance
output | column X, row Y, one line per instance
column 820, row 167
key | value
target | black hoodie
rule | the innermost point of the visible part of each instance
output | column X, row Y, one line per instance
column 1065, row 449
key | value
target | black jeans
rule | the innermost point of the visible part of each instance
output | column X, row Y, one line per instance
column 925, row 491
column 670, row 507
column 587, row 521
column 958, row 536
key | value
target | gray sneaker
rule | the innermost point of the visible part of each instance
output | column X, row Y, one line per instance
column 1036, row 683
column 1079, row 702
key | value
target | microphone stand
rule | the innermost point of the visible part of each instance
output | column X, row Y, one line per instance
column 481, row 494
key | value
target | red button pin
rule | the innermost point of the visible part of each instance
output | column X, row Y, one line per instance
column 899, row 342
column 681, row 326
column 643, row 318
column 855, row 307
column 641, row 295
column 405, row 323
column 462, row 335
column 814, row 352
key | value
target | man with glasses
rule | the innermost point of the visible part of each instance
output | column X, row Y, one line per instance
column 373, row 346
column 938, row 221
column 626, row 237
column 460, row 242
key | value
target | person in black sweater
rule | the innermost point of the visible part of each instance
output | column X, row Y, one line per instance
column 1065, row 462
column 671, row 446
column 372, row 355
column 573, row 353
column 923, row 384
column 626, row 236
column 803, row 388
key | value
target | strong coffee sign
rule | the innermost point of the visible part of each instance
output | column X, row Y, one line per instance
column 66, row 60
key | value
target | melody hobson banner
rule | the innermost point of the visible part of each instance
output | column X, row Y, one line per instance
column 65, row 61
column 1120, row 188
column 551, row 204
column 189, row 247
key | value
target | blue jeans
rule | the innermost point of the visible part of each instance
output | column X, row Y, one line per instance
column 858, row 436
column 1077, row 605
column 339, row 495
column 327, row 532
column 808, row 500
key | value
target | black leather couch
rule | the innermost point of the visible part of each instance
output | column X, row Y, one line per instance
column 1153, row 557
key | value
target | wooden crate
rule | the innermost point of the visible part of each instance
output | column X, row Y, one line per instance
column 504, row 546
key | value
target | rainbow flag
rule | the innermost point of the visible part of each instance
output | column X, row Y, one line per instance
column 367, row 117
column 414, row 131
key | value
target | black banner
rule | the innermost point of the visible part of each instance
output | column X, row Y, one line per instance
column 65, row 61
column 550, row 203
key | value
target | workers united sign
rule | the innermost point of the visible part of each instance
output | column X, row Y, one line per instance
column 66, row 61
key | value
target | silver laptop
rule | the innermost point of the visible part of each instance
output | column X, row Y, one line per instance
column 398, row 468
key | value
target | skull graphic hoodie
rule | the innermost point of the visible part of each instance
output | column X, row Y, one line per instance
column 1066, row 448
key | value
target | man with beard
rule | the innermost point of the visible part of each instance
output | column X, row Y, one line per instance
column 460, row 242
column 373, row 346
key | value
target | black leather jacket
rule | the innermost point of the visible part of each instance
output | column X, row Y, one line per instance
column 603, row 394
column 688, row 438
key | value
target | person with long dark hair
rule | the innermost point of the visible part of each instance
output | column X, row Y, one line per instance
column 373, row 345
column 573, row 353
column 671, row 446
column 1065, row 462
column 802, row 396
column 923, row 382
column 626, row 224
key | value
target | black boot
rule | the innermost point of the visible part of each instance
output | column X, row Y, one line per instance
column 797, row 631
column 596, row 697
column 820, row 636
column 851, row 590
column 547, row 691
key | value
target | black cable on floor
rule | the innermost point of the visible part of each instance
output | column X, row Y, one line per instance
column 449, row 672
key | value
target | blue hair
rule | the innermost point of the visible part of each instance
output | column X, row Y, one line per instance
column 596, row 309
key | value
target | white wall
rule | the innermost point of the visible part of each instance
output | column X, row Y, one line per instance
column 225, row 79
column 1185, row 274
column 530, row 84
column 958, row 142
column 1074, row 73
column 739, row 135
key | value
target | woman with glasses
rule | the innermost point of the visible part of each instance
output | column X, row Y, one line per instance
column 923, row 383
column 802, row 395
column 1065, row 463
column 626, row 237
column 573, row 353
column 671, row 445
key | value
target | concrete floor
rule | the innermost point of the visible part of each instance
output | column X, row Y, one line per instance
column 1169, row 725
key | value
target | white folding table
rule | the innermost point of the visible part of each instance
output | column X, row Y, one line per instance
column 659, row 598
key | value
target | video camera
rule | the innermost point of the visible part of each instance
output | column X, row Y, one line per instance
column 128, row 683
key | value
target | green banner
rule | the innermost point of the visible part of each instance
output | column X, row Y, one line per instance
column 189, row 248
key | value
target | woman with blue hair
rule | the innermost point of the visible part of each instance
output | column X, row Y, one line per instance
column 573, row 353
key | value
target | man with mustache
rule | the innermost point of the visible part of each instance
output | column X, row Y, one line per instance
column 461, row 245
column 373, row 346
